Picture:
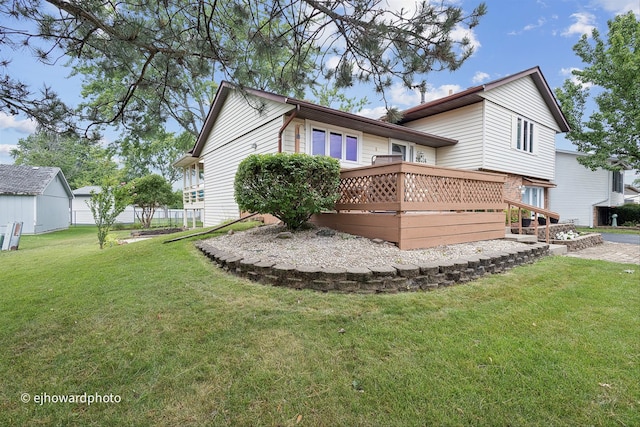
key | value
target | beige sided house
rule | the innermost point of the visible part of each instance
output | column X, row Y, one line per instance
column 507, row 126
column 444, row 189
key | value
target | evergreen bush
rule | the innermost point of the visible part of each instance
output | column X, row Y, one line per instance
column 629, row 213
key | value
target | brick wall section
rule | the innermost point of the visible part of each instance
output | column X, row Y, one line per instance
column 389, row 279
column 512, row 187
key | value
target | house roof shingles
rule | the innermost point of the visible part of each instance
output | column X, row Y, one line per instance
column 28, row 180
column 86, row 191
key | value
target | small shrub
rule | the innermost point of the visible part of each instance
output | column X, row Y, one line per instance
column 291, row 187
column 512, row 216
column 106, row 205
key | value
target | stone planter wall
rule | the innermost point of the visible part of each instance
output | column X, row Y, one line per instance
column 582, row 242
column 555, row 228
column 392, row 278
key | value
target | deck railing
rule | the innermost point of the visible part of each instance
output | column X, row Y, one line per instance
column 406, row 186
column 193, row 194
column 523, row 207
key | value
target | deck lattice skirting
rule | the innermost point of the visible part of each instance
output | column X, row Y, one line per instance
column 418, row 206
column 385, row 279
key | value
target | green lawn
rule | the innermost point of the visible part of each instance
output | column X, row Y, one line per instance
column 181, row 343
column 622, row 230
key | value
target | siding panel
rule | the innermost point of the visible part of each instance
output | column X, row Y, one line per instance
column 512, row 96
column 502, row 157
column 221, row 166
column 238, row 117
column 463, row 124
column 578, row 190
column 18, row 209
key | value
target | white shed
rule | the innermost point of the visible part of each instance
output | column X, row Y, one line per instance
column 37, row 196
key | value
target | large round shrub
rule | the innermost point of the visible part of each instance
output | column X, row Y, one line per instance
column 291, row 187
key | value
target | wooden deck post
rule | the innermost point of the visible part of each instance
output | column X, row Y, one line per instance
column 400, row 192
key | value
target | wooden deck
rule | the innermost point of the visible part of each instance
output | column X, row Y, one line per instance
column 418, row 206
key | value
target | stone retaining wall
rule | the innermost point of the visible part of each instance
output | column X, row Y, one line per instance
column 392, row 278
column 582, row 242
column 555, row 228
column 579, row 243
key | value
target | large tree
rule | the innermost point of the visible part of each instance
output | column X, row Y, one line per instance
column 149, row 193
column 613, row 73
column 157, row 152
column 145, row 60
column 83, row 161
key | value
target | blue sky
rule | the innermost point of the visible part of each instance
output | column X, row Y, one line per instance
column 515, row 35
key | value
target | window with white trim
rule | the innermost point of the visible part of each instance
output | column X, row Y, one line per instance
column 524, row 135
column 403, row 149
column 618, row 182
column 335, row 143
column 533, row 196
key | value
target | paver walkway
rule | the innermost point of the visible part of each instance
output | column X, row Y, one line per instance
column 609, row 251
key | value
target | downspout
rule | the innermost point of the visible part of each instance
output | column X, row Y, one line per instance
column 284, row 126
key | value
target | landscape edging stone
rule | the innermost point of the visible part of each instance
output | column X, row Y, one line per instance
column 376, row 279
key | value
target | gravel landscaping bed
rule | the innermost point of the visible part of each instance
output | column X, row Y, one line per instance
column 326, row 248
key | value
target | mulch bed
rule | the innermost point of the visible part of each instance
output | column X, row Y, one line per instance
column 156, row 231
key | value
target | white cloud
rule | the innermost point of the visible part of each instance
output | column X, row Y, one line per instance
column 480, row 77
column 442, row 91
column 400, row 95
column 584, row 24
column 6, row 148
column 540, row 23
column 332, row 62
column 568, row 72
column 22, row 126
column 459, row 33
column 373, row 113
column 404, row 98
column 620, row 6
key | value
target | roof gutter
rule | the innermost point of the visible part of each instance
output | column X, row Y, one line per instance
column 284, row 126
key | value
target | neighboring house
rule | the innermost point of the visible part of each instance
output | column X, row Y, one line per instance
column 81, row 214
column 631, row 194
column 583, row 196
column 37, row 196
column 506, row 126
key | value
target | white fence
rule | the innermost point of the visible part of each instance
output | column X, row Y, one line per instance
column 171, row 216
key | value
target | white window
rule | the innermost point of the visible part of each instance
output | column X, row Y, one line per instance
column 338, row 144
column 533, row 196
column 402, row 149
column 618, row 182
column 524, row 135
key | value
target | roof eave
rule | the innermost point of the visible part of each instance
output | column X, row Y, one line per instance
column 367, row 125
column 320, row 113
column 472, row 95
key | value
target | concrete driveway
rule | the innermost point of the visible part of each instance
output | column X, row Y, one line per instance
column 632, row 239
